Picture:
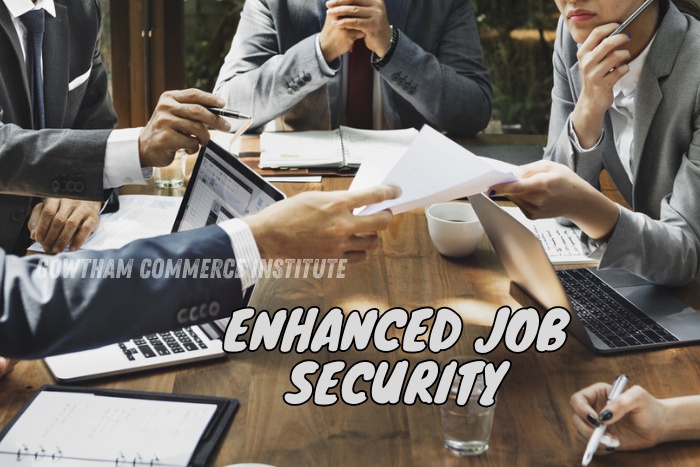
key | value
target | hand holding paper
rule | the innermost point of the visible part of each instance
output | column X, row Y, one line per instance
column 433, row 170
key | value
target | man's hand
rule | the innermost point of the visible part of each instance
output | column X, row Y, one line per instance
column 318, row 224
column 59, row 222
column 179, row 122
column 336, row 41
column 6, row 366
column 366, row 16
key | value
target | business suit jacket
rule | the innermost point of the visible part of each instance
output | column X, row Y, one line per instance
column 436, row 74
column 43, row 316
column 659, row 239
column 71, row 54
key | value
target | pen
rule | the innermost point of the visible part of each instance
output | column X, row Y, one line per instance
column 627, row 22
column 229, row 113
column 617, row 388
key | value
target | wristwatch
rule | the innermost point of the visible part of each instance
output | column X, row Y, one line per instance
column 381, row 63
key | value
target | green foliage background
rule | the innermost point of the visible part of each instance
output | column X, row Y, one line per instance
column 521, row 69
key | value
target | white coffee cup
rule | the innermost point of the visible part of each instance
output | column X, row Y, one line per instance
column 454, row 228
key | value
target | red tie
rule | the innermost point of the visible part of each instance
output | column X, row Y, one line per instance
column 360, row 83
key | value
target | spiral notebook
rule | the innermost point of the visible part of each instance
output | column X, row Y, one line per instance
column 100, row 427
column 343, row 148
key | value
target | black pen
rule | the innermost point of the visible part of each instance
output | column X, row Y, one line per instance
column 229, row 113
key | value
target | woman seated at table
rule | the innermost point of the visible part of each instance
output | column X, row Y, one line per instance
column 629, row 104
column 635, row 419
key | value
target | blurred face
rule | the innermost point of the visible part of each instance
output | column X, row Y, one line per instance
column 582, row 16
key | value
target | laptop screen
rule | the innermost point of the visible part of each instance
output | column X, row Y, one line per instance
column 222, row 187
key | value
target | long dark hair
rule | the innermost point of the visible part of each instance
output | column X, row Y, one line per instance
column 689, row 7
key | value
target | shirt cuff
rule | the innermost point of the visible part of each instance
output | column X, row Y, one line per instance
column 326, row 69
column 575, row 142
column 245, row 249
column 122, row 164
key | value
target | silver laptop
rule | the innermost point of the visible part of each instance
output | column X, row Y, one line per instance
column 221, row 187
column 611, row 310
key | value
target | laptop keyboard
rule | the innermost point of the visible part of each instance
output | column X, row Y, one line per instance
column 164, row 343
column 607, row 314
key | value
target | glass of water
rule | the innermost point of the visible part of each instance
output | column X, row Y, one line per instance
column 173, row 175
column 466, row 430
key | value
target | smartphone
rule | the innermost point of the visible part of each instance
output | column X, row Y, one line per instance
column 631, row 18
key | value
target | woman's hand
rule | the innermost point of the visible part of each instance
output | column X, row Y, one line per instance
column 602, row 62
column 547, row 189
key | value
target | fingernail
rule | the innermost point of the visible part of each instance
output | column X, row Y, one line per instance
column 492, row 192
column 605, row 416
column 592, row 420
column 629, row 36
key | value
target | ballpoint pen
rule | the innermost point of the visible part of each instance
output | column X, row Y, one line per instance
column 617, row 388
column 229, row 113
column 631, row 18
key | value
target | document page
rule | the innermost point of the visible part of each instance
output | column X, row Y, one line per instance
column 87, row 429
column 433, row 170
column 139, row 216
column 286, row 149
column 361, row 144
column 561, row 243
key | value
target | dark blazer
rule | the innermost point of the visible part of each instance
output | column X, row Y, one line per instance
column 41, row 314
column 660, row 239
column 436, row 74
column 71, row 55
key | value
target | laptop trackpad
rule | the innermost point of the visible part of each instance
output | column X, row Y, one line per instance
column 657, row 302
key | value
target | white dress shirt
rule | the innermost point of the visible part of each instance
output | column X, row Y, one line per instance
column 621, row 114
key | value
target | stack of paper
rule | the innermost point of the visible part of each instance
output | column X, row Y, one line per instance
column 433, row 169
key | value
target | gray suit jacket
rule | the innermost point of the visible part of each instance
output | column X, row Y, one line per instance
column 660, row 240
column 436, row 74
column 53, row 162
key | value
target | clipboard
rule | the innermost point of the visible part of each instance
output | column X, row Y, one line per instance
column 123, row 406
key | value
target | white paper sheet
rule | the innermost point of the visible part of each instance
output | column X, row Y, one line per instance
column 561, row 243
column 139, row 216
column 433, row 170
column 83, row 428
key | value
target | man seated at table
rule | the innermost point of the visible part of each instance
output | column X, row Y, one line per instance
column 52, row 78
column 379, row 64
column 43, row 314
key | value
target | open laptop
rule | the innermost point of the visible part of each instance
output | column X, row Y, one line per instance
column 611, row 310
column 221, row 187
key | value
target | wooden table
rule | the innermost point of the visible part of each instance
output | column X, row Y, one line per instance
column 532, row 424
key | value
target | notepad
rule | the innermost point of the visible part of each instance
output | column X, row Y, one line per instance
column 85, row 427
column 561, row 243
column 343, row 148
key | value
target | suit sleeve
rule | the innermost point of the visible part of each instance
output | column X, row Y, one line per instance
column 76, row 301
column 257, row 78
column 451, row 89
column 40, row 163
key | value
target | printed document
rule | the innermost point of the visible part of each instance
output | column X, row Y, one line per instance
column 433, row 169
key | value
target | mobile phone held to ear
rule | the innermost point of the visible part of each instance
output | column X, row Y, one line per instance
column 631, row 18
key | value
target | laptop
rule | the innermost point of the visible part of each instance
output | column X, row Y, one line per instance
column 612, row 311
column 221, row 187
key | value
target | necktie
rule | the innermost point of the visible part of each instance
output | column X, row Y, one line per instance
column 34, row 22
column 360, row 84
